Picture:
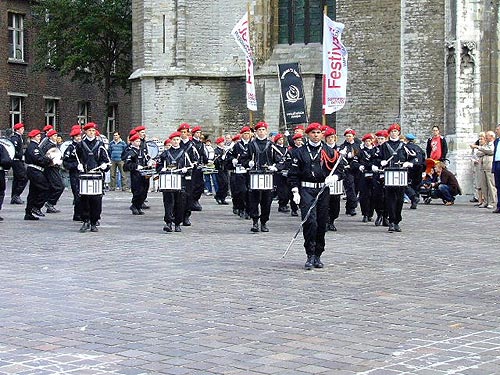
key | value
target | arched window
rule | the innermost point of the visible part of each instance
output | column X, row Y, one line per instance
column 301, row 21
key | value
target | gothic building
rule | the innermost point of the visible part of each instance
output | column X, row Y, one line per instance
column 417, row 62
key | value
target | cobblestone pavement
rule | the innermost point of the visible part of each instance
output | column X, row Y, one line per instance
column 217, row 299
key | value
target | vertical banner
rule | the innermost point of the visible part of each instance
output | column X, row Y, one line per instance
column 241, row 33
column 292, row 94
column 334, row 66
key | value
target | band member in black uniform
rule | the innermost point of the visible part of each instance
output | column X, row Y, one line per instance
column 239, row 192
column 5, row 164
column 299, row 129
column 52, row 172
column 330, row 137
column 174, row 159
column 93, row 157
column 187, row 145
column 197, row 173
column 350, row 148
column 378, row 192
column 297, row 142
column 310, row 170
column 20, row 179
column 135, row 161
column 393, row 153
column 282, row 190
column 141, row 132
column 415, row 172
column 364, row 162
column 260, row 158
column 222, row 175
column 36, row 162
column 70, row 163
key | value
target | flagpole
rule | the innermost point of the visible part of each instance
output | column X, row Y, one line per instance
column 250, row 112
column 323, row 117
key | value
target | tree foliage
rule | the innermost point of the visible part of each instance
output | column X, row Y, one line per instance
column 90, row 40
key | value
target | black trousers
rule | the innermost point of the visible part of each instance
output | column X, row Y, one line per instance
column 223, row 184
column 174, row 204
column 2, row 187
column 139, row 186
column 239, row 192
column 188, row 189
column 378, row 196
column 351, row 191
column 394, row 199
column 333, row 207
column 56, row 184
column 38, row 189
column 281, row 189
column 366, row 196
column 91, row 208
column 198, row 184
column 262, row 199
column 75, row 189
column 315, row 226
column 20, row 179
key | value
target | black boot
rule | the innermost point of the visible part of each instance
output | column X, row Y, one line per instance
column 134, row 210
column 378, row 220
column 16, row 199
column 186, row 222
column 263, row 227
column 309, row 262
column 196, row 206
column 51, row 209
column 144, row 206
column 385, row 222
column 37, row 212
column 241, row 213
column 167, row 227
column 178, row 228
column 365, row 219
column 255, row 226
column 414, row 203
column 317, row 263
column 397, row 228
column 93, row 228
column 236, row 211
column 30, row 216
column 85, row 227
column 294, row 213
column 391, row 227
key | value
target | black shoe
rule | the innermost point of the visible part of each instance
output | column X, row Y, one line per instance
column 52, row 210
column 37, row 212
column 370, row 218
column 144, row 206
column 294, row 213
column 196, row 206
column 264, row 228
column 218, row 201
column 186, row 222
column 30, row 217
column 134, row 210
column 178, row 228
column 1, row 218
column 241, row 214
column 309, row 262
column 413, row 205
column 378, row 221
column 97, row 223
column 16, row 199
column 473, row 200
column 397, row 228
column 331, row 227
column 236, row 211
column 85, row 227
column 317, row 263
column 223, row 202
column 385, row 222
column 365, row 219
column 496, row 211
column 255, row 227
column 284, row 209
column 140, row 211
column 167, row 227
column 351, row 212
column 93, row 228
column 247, row 216
column 391, row 227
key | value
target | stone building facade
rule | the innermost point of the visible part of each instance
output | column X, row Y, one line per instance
column 417, row 62
column 38, row 98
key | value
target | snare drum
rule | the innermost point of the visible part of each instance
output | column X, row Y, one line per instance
column 90, row 184
column 261, row 181
column 170, row 181
column 240, row 170
column 396, row 177
column 337, row 188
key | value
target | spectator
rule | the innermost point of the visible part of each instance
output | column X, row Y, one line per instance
column 488, row 189
column 115, row 150
column 496, row 167
column 447, row 185
column 476, row 169
column 437, row 148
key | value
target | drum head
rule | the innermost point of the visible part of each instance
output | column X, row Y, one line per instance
column 153, row 149
column 9, row 146
column 64, row 146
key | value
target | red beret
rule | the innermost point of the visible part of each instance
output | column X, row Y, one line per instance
column 245, row 129
column 394, row 127
column 313, row 126
column 219, row 140
column 299, row 127
column 46, row 128
column 277, row 137
column 183, row 126
column 382, row 133
column 367, row 136
column 329, row 132
column 237, row 137
column 75, row 131
column 297, row 136
column 18, row 126
column 175, row 134
column 350, row 131
column 261, row 124
column 134, row 137
column 51, row 132
column 167, row 141
column 196, row 129
column 34, row 133
column 139, row 128
column 76, row 126
column 90, row 125
column 132, row 132
column 324, row 127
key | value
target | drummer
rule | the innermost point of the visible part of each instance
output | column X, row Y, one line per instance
column 5, row 164
column 20, row 179
column 175, row 159
column 394, row 154
column 70, row 163
column 52, row 172
column 141, row 132
column 135, row 162
column 92, row 156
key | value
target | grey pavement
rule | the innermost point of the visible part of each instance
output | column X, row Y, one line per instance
column 217, row 299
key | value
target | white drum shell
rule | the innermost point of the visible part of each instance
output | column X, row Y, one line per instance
column 261, row 181
column 396, row 177
column 337, row 188
column 170, row 182
column 9, row 146
column 90, row 184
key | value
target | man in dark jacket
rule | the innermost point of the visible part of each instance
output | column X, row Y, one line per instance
column 20, row 179
column 447, row 184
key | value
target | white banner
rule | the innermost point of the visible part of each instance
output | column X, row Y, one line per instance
column 241, row 33
column 334, row 66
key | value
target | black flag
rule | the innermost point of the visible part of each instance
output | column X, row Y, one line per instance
column 292, row 94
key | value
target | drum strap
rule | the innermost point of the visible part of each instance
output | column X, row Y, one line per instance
column 394, row 152
column 182, row 152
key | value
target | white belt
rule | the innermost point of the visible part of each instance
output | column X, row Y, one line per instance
column 36, row 167
column 1, row 169
column 313, row 185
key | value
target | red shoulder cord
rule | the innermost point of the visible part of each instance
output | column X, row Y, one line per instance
column 329, row 161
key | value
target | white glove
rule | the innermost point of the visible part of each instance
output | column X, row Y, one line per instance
column 407, row 164
column 251, row 164
column 383, row 163
column 210, row 161
column 343, row 152
column 375, row 168
column 235, row 162
column 139, row 167
column 349, row 155
column 103, row 166
column 184, row 170
column 361, row 168
column 151, row 163
column 286, row 133
column 272, row 168
column 296, row 195
column 80, row 167
column 164, row 169
column 57, row 161
column 330, row 180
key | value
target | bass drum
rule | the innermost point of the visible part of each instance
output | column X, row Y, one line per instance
column 9, row 146
column 64, row 146
column 153, row 149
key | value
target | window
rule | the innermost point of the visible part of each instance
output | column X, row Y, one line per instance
column 83, row 113
column 51, row 112
column 16, row 36
column 301, row 21
column 16, row 110
column 111, row 123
